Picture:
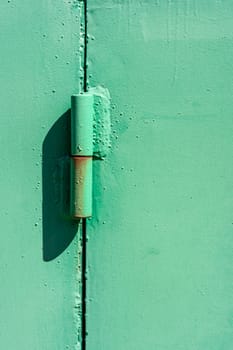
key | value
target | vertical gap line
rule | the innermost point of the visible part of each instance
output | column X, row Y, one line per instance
column 85, row 88
column 84, row 289
column 84, row 222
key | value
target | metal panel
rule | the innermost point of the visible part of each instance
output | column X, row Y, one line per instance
column 40, row 68
column 161, row 241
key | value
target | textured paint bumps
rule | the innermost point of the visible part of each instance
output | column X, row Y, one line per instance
column 39, row 266
column 102, row 121
column 161, row 238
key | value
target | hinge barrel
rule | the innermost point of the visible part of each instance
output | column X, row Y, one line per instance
column 82, row 125
column 81, row 187
column 81, row 155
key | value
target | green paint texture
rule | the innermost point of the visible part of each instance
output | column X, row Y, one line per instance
column 160, row 242
column 39, row 260
column 82, row 124
column 161, row 238
column 102, row 121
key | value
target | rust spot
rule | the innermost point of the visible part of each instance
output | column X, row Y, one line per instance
column 81, row 186
column 81, row 158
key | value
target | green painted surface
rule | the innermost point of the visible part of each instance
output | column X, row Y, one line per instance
column 82, row 124
column 40, row 303
column 160, row 249
column 160, row 260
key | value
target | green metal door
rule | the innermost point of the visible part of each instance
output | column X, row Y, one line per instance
column 160, row 243
column 39, row 264
column 160, row 249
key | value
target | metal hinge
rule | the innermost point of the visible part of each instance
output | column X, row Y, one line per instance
column 82, row 113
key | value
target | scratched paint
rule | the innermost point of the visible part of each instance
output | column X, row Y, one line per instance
column 160, row 241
